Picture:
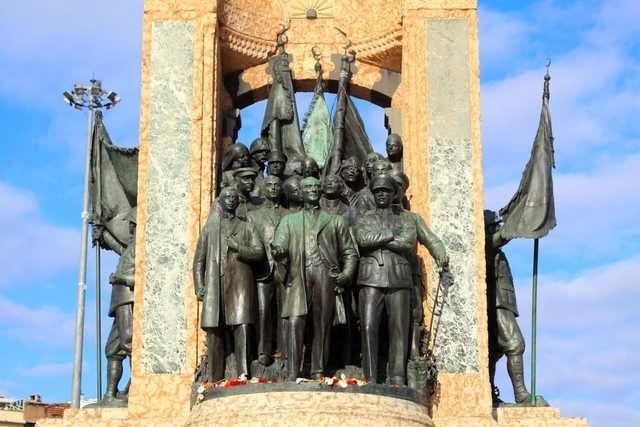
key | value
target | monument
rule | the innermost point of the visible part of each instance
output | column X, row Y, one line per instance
column 203, row 60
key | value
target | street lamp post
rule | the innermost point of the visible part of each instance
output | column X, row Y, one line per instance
column 89, row 96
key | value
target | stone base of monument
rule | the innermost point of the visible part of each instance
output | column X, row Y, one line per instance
column 317, row 408
column 514, row 417
column 310, row 404
column 530, row 417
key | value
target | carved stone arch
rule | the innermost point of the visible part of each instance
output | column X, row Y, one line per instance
column 247, row 41
column 370, row 83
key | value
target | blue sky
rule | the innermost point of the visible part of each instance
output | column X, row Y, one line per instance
column 589, row 285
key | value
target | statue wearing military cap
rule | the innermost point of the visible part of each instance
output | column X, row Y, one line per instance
column 236, row 156
column 436, row 248
column 259, row 149
column 364, row 199
column 276, row 164
column 118, row 346
column 384, row 277
column 245, row 178
column 505, row 336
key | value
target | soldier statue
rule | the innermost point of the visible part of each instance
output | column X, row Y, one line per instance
column 309, row 167
column 277, row 164
column 223, row 278
column 384, row 277
column 245, row 179
column 437, row 250
column 365, row 201
column 236, row 156
column 118, row 345
column 505, row 337
column 259, row 149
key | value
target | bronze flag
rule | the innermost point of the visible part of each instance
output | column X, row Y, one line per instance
column 114, row 189
column 531, row 211
column 281, row 126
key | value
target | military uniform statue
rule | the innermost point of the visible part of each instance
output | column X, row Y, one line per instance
column 236, row 156
column 505, row 337
column 259, row 150
column 118, row 345
column 437, row 250
column 384, row 277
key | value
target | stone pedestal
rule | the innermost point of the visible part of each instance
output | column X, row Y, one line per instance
column 304, row 408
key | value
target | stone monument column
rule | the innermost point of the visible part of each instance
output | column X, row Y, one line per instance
column 441, row 130
column 179, row 119
column 417, row 58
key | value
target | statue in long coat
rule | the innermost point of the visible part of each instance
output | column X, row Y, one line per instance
column 223, row 279
column 322, row 256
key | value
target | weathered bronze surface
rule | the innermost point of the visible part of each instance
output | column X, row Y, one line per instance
column 322, row 256
column 395, row 151
column 384, row 277
column 224, row 282
column 505, row 337
column 325, row 272
column 118, row 346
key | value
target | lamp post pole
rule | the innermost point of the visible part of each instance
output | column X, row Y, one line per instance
column 90, row 97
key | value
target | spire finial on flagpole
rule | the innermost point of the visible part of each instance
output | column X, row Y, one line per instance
column 548, row 65
column 547, row 77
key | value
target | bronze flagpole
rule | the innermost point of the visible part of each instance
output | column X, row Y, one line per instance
column 534, row 321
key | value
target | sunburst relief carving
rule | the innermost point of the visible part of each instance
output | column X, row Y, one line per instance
column 312, row 9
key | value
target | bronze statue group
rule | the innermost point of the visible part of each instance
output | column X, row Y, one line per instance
column 312, row 265
column 319, row 271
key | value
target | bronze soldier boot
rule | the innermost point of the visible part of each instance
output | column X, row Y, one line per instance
column 495, row 391
column 114, row 374
column 515, row 368
column 124, row 393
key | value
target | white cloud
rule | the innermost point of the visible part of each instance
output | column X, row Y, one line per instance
column 32, row 249
column 46, row 370
column 595, row 100
column 47, row 324
column 53, row 40
column 597, row 211
column 56, row 44
column 595, row 92
column 587, row 346
column 502, row 35
column 8, row 388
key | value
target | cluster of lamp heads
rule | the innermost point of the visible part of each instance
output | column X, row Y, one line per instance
column 90, row 96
